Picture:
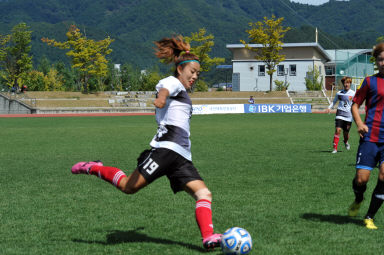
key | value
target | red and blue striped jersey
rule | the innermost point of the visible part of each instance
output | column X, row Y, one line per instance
column 372, row 91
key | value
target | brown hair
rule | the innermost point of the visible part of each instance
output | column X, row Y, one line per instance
column 377, row 49
column 174, row 50
column 346, row 78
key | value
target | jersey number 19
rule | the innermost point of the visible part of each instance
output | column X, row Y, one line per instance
column 150, row 166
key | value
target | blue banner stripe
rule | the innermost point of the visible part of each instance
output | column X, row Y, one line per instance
column 277, row 108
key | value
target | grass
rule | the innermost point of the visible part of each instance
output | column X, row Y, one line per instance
column 272, row 174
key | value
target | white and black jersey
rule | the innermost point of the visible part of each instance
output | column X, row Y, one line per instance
column 345, row 98
column 174, row 119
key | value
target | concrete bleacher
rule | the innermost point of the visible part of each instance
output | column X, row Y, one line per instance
column 77, row 102
column 42, row 102
column 319, row 100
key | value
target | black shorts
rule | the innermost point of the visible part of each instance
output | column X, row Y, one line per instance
column 154, row 163
column 345, row 125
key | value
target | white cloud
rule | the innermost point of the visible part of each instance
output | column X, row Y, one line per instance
column 314, row 2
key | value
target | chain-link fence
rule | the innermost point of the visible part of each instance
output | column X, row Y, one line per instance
column 353, row 63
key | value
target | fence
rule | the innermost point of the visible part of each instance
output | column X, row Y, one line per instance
column 353, row 63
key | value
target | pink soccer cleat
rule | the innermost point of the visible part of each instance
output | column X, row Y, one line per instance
column 83, row 167
column 212, row 241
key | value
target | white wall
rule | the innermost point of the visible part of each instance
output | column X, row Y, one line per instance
column 251, row 81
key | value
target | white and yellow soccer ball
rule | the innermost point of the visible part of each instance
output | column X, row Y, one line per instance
column 236, row 241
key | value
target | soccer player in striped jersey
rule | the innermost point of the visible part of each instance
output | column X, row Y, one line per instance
column 170, row 152
column 343, row 120
column 371, row 148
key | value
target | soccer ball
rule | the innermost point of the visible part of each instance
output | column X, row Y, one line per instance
column 236, row 241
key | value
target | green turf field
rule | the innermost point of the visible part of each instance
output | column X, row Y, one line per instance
column 272, row 174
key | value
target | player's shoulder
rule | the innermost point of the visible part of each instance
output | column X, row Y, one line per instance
column 169, row 80
column 171, row 83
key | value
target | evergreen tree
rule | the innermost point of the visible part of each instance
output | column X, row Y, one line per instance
column 15, row 60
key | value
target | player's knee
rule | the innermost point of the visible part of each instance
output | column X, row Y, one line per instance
column 130, row 190
column 361, row 180
column 379, row 189
column 203, row 194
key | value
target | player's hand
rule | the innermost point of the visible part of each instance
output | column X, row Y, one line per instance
column 362, row 130
column 161, row 98
column 159, row 102
column 328, row 110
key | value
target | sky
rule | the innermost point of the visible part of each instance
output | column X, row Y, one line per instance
column 313, row 2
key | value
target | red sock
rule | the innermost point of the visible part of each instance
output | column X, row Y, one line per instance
column 204, row 217
column 335, row 141
column 112, row 175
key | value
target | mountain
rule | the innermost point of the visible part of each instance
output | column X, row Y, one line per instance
column 135, row 24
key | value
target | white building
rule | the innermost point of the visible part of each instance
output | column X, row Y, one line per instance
column 250, row 74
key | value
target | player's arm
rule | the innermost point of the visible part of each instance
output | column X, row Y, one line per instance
column 332, row 104
column 361, row 127
column 161, row 99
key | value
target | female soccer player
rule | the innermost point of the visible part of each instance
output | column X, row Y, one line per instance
column 343, row 120
column 371, row 148
column 170, row 152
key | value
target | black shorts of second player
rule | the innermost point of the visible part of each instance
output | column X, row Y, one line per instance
column 369, row 155
column 345, row 125
column 157, row 162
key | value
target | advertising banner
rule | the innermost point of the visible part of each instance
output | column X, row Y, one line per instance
column 277, row 108
column 217, row 108
column 250, row 108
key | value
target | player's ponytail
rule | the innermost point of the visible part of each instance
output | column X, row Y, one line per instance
column 175, row 50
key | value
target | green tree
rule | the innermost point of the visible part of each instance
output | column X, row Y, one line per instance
column 69, row 76
column 4, row 39
column 14, row 55
column 44, row 65
column 35, row 81
column 200, row 85
column 313, row 80
column 129, row 78
column 269, row 34
column 281, row 85
column 201, row 45
column 87, row 55
column 148, row 79
column 114, row 79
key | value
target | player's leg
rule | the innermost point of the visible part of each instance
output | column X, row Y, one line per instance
column 203, row 212
column 359, row 185
column 128, row 184
column 377, row 195
column 376, row 201
column 110, row 174
column 346, row 128
column 336, row 136
column 365, row 162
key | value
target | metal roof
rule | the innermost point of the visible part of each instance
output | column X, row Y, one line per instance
column 286, row 45
column 345, row 54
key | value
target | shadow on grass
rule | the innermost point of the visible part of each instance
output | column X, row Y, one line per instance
column 327, row 151
column 332, row 218
column 133, row 236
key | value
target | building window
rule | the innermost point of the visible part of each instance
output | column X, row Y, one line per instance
column 292, row 70
column 280, row 70
column 329, row 70
column 261, row 70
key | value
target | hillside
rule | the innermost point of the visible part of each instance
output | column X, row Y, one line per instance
column 136, row 24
